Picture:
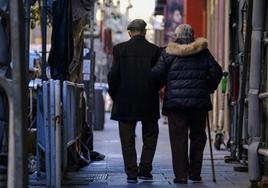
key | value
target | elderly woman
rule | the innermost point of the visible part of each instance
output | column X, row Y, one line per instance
column 190, row 74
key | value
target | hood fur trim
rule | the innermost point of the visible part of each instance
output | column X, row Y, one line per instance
column 187, row 49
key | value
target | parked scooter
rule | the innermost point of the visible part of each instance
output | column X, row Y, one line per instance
column 219, row 133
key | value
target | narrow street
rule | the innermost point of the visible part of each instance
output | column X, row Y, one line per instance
column 64, row 65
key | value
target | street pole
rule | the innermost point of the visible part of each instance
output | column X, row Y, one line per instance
column 17, row 163
column 244, row 67
column 44, row 36
column 27, row 8
column 92, row 67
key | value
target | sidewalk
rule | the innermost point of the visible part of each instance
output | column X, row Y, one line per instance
column 110, row 173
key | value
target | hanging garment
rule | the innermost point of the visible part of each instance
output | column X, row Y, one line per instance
column 61, row 52
column 80, row 13
column 75, row 68
column 87, row 3
column 80, row 9
column 4, row 37
column 5, row 71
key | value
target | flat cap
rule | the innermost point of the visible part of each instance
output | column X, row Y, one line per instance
column 137, row 24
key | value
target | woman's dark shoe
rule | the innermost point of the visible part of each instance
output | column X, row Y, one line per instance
column 145, row 175
column 180, row 180
column 195, row 178
column 132, row 179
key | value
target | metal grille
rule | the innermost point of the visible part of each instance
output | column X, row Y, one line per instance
column 98, row 177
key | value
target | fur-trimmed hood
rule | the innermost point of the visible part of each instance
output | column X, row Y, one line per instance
column 187, row 49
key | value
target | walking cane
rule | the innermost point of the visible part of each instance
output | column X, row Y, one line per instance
column 211, row 152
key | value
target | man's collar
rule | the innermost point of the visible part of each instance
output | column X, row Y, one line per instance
column 138, row 37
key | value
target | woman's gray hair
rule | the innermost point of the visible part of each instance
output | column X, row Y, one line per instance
column 184, row 34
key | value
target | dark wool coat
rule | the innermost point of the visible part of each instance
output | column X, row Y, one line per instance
column 190, row 74
column 130, row 84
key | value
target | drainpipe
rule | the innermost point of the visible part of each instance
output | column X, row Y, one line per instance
column 217, row 35
column 244, row 57
column 254, row 90
column 233, row 80
column 226, row 59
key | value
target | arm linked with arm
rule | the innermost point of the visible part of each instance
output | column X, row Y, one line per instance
column 114, row 74
column 160, row 71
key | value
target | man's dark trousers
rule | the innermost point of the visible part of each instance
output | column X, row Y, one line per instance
column 179, row 124
column 149, row 137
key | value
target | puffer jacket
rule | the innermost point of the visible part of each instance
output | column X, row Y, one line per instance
column 190, row 74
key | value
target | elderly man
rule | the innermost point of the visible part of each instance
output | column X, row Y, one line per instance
column 135, row 99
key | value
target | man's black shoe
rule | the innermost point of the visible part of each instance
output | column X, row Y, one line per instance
column 195, row 178
column 96, row 156
column 145, row 175
column 132, row 180
column 180, row 180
